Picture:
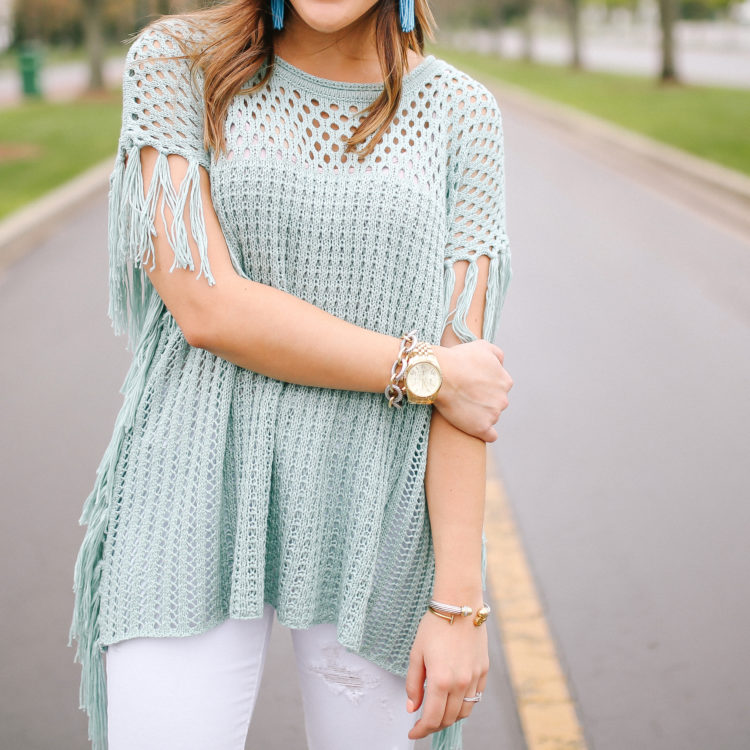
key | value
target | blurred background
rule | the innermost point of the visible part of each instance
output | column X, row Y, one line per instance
column 618, row 498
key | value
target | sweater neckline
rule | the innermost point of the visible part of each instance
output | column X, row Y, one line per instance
column 320, row 85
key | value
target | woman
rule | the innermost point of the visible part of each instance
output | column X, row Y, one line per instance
column 341, row 197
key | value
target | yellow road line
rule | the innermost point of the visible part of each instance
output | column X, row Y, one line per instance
column 546, row 710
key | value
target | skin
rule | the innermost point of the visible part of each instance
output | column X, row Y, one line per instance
column 303, row 344
column 333, row 39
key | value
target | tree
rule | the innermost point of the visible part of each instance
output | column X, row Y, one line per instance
column 667, row 17
column 574, row 27
column 94, row 39
column 527, row 53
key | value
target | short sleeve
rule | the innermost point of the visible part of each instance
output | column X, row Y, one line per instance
column 162, row 107
column 476, row 209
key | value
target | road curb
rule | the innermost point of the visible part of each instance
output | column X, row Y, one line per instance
column 28, row 226
column 705, row 173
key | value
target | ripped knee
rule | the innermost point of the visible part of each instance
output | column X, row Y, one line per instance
column 342, row 678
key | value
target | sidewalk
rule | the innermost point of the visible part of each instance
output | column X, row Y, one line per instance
column 715, row 61
column 59, row 82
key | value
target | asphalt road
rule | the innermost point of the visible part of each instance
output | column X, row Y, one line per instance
column 625, row 447
column 623, row 452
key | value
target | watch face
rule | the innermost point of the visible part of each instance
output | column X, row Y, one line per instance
column 423, row 379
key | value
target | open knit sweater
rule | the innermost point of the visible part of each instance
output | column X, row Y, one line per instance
column 221, row 488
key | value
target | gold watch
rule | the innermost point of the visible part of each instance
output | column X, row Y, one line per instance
column 422, row 378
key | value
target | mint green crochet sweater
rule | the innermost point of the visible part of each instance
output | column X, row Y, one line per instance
column 223, row 489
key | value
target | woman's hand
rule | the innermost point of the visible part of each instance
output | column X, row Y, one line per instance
column 454, row 659
column 475, row 387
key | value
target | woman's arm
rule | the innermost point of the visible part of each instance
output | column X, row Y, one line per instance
column 453, row 657
column 267, row 330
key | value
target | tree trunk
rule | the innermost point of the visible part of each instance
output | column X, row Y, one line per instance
column 142, row 12
column 497, row 41
column 574, row 26
column 92, row 24
column 667, row 18
column 528, row 35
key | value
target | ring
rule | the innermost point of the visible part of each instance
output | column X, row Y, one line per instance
column 474, row 699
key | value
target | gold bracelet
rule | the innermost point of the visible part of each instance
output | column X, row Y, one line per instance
column 440, row 614
column 448, row 612
column 394, row 391
column 482, row 614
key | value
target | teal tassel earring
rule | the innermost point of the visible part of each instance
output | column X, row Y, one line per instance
column 406, row 13
column 277, row 11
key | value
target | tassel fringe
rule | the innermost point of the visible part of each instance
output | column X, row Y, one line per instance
column 500, row 273
column 88, row 566
column 450, row 738
column 131, row 230
column 406, row 15
column 135, row 307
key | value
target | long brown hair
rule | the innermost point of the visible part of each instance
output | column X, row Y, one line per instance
column 238, row 36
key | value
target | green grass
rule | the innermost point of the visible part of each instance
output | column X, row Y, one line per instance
column 43, row 144
column 707, row 121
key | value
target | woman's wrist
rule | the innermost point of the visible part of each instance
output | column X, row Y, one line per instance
column 409, row 344
column 447, row 361
column 458, row 576
column 467, row 592
column 457, row 606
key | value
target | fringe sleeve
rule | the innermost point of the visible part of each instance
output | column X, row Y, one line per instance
column 162, row 108
column 476, row 205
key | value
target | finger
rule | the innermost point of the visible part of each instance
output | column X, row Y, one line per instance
column 482, row 682
column 453, row 705
column 504, row 400
column 432, row 713
column 498, row 352
column 508, row 380
column 467, row 706
column 415, row 677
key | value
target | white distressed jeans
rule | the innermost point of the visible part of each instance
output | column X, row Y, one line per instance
column 198, row 692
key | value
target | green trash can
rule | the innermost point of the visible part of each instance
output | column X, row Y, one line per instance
column 30, row 65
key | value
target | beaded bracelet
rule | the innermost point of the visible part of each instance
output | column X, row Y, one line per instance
column 394, row 391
